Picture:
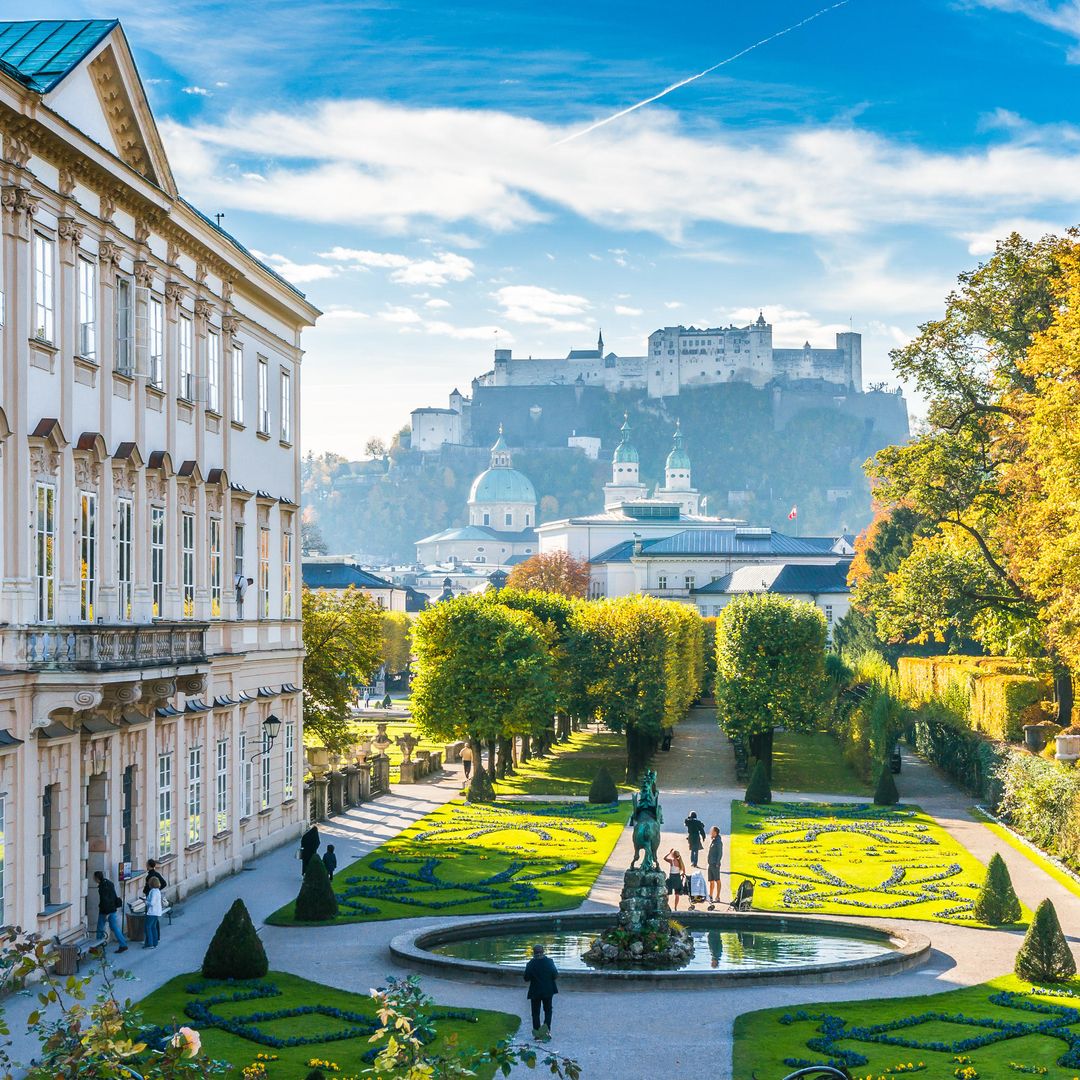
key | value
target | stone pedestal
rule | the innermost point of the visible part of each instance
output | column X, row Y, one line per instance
column 352, row 785
column 644, row 900
column 410, row 772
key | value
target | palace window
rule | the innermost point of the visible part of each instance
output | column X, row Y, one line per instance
column 213, row 372
column 45, row 551
column 2, row 838
column 127, row 815
column 50, row 845
column 487, row 518
column 165, row 804
column 690, row 581
column 157, row 559
column 221, row 786
column 237, row 385
column 828, row 614
column 87, row 344
column 264, row 785
column 264, row 396
column 508, row 518
column 215, row 568
column 290, row 762
column 124, row 561
column 286, row 406
column 286, row 575
column 156, row 329
column 87, row 554
column 187, row 564
column 125, row 322
column 44, row 288
column 194, row 798
column 661, row 581
column 264, row 573
column 187, row 370
column 247, row 804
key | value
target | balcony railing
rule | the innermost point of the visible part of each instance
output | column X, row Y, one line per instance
column 99, row 647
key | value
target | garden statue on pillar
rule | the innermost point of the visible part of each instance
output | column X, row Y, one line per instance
column 644, row 934
column 410, row 773
column 381, row 740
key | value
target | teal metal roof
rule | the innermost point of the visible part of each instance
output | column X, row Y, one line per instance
column 502, row 485
column 678, row 458
column 39, row 54
column 625, row 451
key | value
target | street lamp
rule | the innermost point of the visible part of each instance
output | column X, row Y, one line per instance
column 271, row 727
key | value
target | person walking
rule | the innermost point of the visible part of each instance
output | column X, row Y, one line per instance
column 153, row 877
column 309, row 844
column 330, row 860
column 154, row 909
column 540, row 974
column 676, row 879
column 109, row 907
column 716, row 853
column 466, row 760
column 695, row 836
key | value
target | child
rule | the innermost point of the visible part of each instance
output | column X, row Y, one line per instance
column 330, row 860
column 153, row 917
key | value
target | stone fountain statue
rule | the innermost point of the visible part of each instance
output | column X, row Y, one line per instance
column 643, row 935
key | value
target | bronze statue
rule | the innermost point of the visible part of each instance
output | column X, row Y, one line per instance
column 646, row 818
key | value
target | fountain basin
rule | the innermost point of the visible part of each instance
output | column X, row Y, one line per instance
column 750, row 949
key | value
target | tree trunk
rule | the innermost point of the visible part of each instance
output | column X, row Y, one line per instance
column 491, row 766
column 505, row 764
column 1063, row 693
column 524, row 755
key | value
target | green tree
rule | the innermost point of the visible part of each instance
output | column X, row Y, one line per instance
column 316, row 901
column 885, row 794
column 396, row 649
column 759, row 791
column 342, row 639
column 770, row 668
column 235, row 950
column 1045, row 955
column 997, row 902
column 603, row 789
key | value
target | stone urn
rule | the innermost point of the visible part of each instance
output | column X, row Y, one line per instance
column 318, row 758
column 361, row 750
column 1068, row 745
column 381, row 740
column 408, row 743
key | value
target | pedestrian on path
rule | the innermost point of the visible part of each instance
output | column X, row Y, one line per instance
column 309, row 844
column 153, row 877
column 540, row 974
column 466, row 759
column 154, row 908
column 695, row 836
column 677, row 881
column 109, row 906
column 330, row 860
column 716, row 853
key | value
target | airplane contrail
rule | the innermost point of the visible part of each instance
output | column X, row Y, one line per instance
column 701, row 74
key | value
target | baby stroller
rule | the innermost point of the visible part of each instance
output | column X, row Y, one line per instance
column 699, row 891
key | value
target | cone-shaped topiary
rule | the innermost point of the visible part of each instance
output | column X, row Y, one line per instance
column 886, row 793
column 997, row 902
column 315, row 1074
column 480, row 789
column 1045, row 955
column 316, row 901
column 235, row 952
column 603, row 788
column 758, row 790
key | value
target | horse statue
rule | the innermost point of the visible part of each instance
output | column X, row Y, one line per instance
column 646, row 818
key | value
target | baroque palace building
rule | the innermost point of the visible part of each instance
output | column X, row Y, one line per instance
column 150, row 645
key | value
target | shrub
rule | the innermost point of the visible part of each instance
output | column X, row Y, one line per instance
column 235, row 952
column 1041, row 800
column 886, row 793
column 315, row 1074
column 480, row 789
column 603, row 789
column 316, row 901
column 997, row 902
column 1045, row 955
column 758, row 790
column 969, row 758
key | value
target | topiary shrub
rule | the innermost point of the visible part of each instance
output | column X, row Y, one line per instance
column 480, row 789
column 997, row 902
column 235, row 951
column 1045, row 955
column 603, row 789
column 315, row 1074
column 316, row 901
column 758, row 790
column 886, row 793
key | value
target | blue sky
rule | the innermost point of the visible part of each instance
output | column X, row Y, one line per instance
column 399, row 162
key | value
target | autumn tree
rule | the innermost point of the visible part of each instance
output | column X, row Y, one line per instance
column 770, row 668
column 342, row 642
column 395, row 647
column 554, row 572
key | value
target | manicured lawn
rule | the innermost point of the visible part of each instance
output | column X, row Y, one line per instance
column 853, row 859
column 813, row 761
column 395, row 730
column 570, row 766
column 465, row 860
column 1003, row 1012
column 166, row 1007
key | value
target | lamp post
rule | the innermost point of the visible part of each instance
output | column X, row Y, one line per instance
column 271, row 727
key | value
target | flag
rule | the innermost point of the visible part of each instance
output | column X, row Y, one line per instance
column 794, row 513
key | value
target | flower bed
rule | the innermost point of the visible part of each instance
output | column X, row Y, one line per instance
column 1002, row 1028
column 845, row 859
column 271, row 1028
column 464, row 859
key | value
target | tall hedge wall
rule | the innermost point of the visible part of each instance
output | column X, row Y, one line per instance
column 971, row 759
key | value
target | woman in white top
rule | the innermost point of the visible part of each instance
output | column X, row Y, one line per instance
column 153, row 918
column 676, row 879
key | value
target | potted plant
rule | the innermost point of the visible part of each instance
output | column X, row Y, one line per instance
column 1068, row 744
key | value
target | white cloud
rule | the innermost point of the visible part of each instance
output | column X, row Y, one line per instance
column 535, row 305
column 468, row 333
column 198, row 91
column 221, row 85
column 297, row 273
column 622, row 309
column 403, row 315
column 436, row 303
column 1063, row 16
column 395, row 167
column 791, row 327
column 336, row 311
column 673, row 305
column 984, row 241
column 445, row 266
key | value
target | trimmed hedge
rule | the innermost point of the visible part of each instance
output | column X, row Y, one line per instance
column 758, row 790
column 603, row 789
column 971, row 759
column 1045, row 956
column 1041, row 800
column 886, row 793
column 235, row 951
column 997, row 902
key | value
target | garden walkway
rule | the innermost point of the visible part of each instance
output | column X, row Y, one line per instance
column 629, row 1034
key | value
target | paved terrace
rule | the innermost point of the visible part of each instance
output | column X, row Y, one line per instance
column 672, row 1032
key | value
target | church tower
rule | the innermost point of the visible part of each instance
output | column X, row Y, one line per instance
column 677, row 477
column 625, row 485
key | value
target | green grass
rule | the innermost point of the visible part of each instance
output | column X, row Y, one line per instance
column 1029, row 852
column 394, row 730
column 765, row 1046
column 813, row 762
column 570, row 767
column 467, row 860
column 853, row 859
column 165, row 1007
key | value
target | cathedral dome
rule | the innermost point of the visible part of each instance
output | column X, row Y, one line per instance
column 625, row 453
column 502, row 485
column 678, row 458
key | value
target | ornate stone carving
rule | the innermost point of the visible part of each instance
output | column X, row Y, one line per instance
column 230, row 324
column 155, row 486
column 144, row 273
column 123, row 480
column 174, row 291
column 142, row 232
column 203, row 308
column 158, row 690
column 192, row 684
column 227, row 291
column 172, row 253
column 66, row 183
column 87, row 474
column 16, row 150
column 70, row 230
column 201, row 270
column 62, row 705
column 19, row 200
column 213, row 500
column 44, row 462
column 186, row 494
column 109, row 252
column 108, row 207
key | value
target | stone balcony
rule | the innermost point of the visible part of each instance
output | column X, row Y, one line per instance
column 111, row 647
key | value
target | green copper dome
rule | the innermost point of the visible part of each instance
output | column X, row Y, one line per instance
column 678, row 458
column 625, row 453
column 502, row 485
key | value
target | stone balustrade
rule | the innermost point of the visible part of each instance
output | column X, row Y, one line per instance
column 107, row 647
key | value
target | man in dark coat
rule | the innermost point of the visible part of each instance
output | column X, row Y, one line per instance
column 309, row 844
column 540, row 974
column 695, row 836
column 109, row 907
column 716, row 853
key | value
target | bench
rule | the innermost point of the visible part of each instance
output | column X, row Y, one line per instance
column 742, row 760
column 71, row 947
column 174, row 911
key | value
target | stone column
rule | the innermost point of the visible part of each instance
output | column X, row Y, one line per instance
column 352, row 785
column 363, row 770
